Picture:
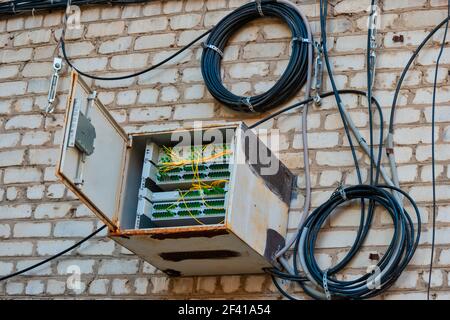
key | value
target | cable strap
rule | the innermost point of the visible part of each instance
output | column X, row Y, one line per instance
column 213, row 47
column 259, row 7
column 325, row 284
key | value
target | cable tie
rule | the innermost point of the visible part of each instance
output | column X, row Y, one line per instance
column 303, row 40
column 325, row 284
column 248, row 104
column 259, row 7
column 213, row 47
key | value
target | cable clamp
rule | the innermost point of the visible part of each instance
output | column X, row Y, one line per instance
column 247, row 102
column 325, row 284
column 213, row 47
column 341, row 191
column 303, row 40
column 259, row 7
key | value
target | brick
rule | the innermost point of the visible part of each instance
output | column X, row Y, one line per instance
column 169, row 94
column 155, row 41
column 194, row 111
column 20, row 175
column 230, row 284
column 413, row 135
column 403, row 4
column 254, row 283
column 55, row 287
column 150, row 114
column 131, row 11
column 79, row 49
column 8, row 89
column 423, row 193
column 317, row 140
column 34, row 287
column 335, row 159
column 8, row 56
column 97, row 248
column 105, row 29
column 9, row 71
column 14, row 288
column 51, row 210
column 24, row 122
column 85, row 266
column 16, row 248
column 248, row 70
column 148, row 96
column 91, row 64
column 206, row 285
column 194, row 92
column 172, row 6
column 116, row 45
column 116, row 266
column 148, row 25
column 185, row 21
column 5, row 231
column 140, row 285
column 35, row 192
column 52, row 247
column 6, row 268
column 43, row 156
column 159, row 285
column 32, row 37
column 131, row 61
column 73, row 229
column 351, row 43
column 182, row 285
column 30, row 229
column 212, row 18
column 8, row 140
column 263, row 50
column 11, row 158
column 159, row 77
column 99, row 287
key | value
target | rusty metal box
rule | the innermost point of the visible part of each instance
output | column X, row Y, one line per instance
column 108, row 182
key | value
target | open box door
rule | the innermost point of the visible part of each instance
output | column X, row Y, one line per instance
column 92, row 159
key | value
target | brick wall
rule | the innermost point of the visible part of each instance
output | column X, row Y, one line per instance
column 39, row 217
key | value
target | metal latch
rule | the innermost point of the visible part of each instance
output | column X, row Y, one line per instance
column 82, row 135
column 57, row 66
column 82, row 132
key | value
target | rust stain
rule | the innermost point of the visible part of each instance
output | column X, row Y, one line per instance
column 191, row 234
column 174, row 233
column 198, row 255
column 398, row 38
column 172, row 273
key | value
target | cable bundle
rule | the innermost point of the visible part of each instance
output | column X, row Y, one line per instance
column 19, row 6
column 400, row 251
column 290, row 82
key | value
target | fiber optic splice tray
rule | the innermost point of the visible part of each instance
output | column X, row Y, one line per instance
column 197, row 201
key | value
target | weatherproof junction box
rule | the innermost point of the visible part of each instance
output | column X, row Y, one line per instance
column 200, row 201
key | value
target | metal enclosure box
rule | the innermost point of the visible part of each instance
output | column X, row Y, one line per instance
column 109, row 179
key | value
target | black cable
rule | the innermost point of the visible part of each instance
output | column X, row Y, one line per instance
column 289, row 83
column 63, row 49
column 20, row 6
column 404, row 241
column 53, row 257
column 301, row 103
column 399, row 253
column 433, row 159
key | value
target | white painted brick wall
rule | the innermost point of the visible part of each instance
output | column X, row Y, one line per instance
column 38, row 217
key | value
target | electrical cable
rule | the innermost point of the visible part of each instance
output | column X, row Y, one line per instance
column 64, row 52
column 22, row 6
column 433, row 151
column 293, row 78
column 322, row 284
column 53, row 257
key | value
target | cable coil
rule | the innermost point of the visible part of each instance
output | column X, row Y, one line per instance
column 289, row 83
column 401, row 249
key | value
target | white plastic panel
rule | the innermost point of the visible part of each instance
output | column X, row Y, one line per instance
column 103, row 170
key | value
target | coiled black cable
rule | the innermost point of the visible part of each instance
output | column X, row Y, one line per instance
column 289, row 83
column 400, row 251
